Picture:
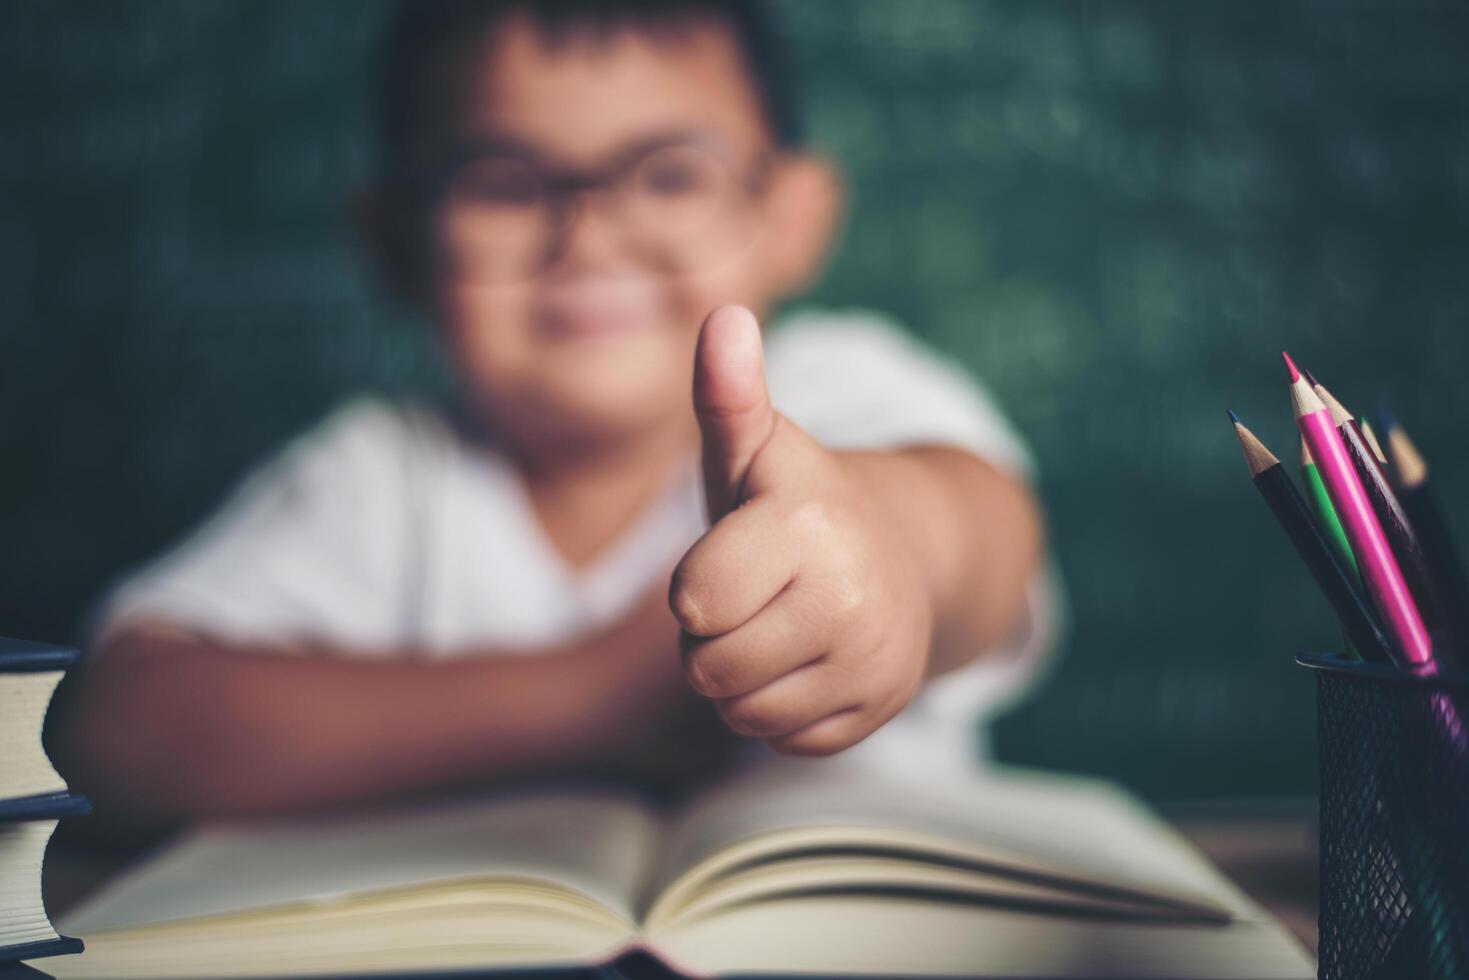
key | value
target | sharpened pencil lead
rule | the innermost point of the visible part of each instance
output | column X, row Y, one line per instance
column 1233, row 417
column 1295, row 375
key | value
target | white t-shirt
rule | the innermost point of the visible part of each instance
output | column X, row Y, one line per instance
column 385, row 528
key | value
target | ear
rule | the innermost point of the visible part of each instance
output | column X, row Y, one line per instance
column 804, row 209
column 382, row 227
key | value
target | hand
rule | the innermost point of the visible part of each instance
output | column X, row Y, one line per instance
column 806, row 617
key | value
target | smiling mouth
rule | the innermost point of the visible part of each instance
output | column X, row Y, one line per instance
column 587, row 309
column 591, row 324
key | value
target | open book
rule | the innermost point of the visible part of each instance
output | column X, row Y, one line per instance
column 799, row 868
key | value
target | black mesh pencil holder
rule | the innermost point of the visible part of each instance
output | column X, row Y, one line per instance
column 1394, row 822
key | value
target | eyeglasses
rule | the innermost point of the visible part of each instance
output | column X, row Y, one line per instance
column 500, row 216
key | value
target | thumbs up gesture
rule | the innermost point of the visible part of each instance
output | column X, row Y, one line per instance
column 806, row 617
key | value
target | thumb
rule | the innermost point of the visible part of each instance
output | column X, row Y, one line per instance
column 732, row 405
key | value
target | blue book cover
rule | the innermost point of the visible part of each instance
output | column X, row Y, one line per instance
column 26, row 656
column 34, row 951
column 44, row 806
column 28, row 794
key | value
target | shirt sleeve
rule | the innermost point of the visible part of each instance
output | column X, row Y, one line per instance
column 855, row 380
column 312, row 546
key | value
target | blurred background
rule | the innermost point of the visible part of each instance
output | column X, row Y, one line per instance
column 1115, row 213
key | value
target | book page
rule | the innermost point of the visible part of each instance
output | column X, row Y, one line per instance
column 1062, row 827
column 22, row 912
column 597, row 842
column 873, row 934
column 24, row 699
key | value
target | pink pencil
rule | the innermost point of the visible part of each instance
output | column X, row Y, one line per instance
column 1374, row 557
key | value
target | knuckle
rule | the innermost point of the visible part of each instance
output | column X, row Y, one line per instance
column 688, row 607
column 748, row 717
column 846, row 593
column 822, row 739
column 842, row 565
column 836, row 607
column 811, row 744
column 707, row 673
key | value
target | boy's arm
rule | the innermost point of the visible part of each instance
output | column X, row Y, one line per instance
column 166, row 723
column 977, row 535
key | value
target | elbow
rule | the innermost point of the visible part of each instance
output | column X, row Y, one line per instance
column 152, row 738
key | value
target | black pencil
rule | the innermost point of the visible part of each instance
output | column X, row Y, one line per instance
column 1373, row 444
column 1396, row 524
column 1446, row 569
column 1285, row 502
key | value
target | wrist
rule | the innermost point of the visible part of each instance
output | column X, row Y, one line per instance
column 625, row 677
column 976, row 534
column 915, row 509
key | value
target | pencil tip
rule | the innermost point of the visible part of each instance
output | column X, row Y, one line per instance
column 1233, row 417
column 1311, row 379
column 1295, row 375
column 1385, row 420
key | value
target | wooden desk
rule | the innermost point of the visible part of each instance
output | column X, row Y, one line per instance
column 1269, row 850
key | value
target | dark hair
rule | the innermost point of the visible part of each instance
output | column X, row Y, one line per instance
column 419, row 31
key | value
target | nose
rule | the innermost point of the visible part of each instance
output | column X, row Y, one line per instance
column 588, row 236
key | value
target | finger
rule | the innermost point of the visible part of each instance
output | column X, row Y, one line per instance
column 786, row 705
column 731, row 403
column 786, row 634
column 729, row 575
column 828, row 736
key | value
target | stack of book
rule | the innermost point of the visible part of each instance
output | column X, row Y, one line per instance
column 33, row 798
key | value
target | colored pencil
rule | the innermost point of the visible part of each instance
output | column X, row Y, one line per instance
column 1350, row 605
column 1448, row 578
column 1326, row 517
column 1375, row 560
column 1390, row 514
column 1372, row 443
column 1329, row 524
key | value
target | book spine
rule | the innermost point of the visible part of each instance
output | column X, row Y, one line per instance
column 45, row 806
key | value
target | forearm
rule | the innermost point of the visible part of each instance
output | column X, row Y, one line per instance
column 169, row 724
column 976, row 533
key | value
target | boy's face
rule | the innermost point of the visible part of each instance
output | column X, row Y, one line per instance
column 571, row 312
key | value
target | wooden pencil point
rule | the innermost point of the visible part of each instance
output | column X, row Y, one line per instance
column 1408, row 462
column 1303, row 400
column 1369, row 434
column 1339, row 414
column 1257, row 457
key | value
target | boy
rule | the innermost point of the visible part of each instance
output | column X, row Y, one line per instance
column 410, row 598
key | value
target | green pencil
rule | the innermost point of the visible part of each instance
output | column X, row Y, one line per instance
column 1326, row 518
column 1329, row 525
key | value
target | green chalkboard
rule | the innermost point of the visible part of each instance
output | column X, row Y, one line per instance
column 1116, row 213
